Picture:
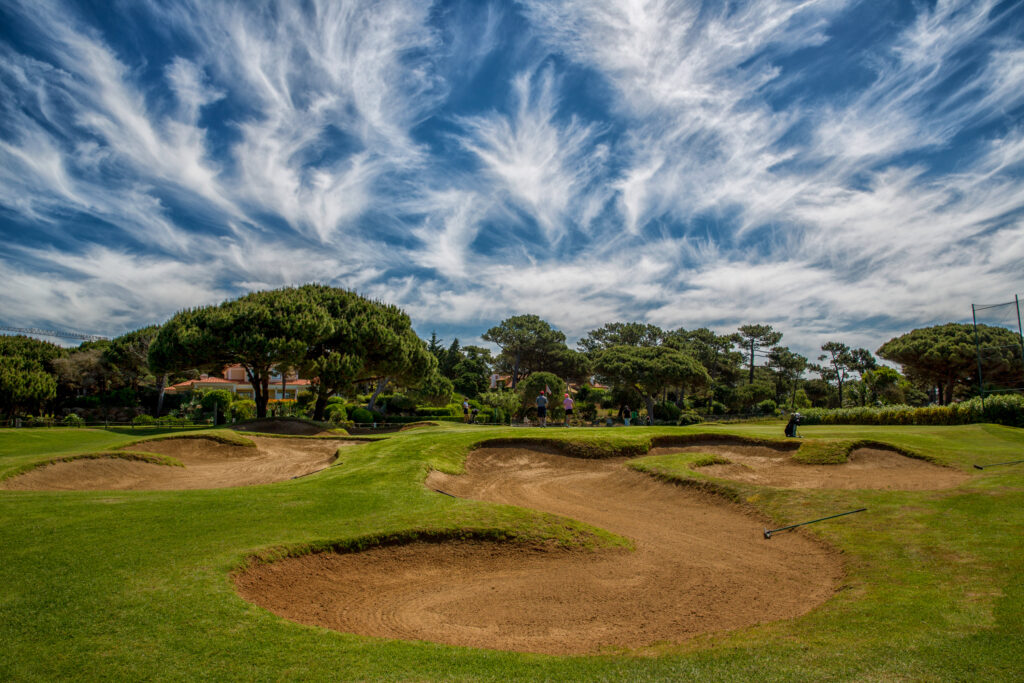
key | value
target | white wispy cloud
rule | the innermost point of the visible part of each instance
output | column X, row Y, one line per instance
column 541, row 164
column 712, row 183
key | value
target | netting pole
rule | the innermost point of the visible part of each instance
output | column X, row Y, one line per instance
column 1020, row 330
column 977, row 350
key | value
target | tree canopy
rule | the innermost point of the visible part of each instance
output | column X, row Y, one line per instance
column 755, row 337
column 334, row 334
column 946, row 355
column 27, row 378
column 649, row 369
column 528, row 344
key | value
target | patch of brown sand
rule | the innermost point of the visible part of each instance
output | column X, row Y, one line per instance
column 867, row 468
column 208, row 464
column 699, row 565
column 289, row 427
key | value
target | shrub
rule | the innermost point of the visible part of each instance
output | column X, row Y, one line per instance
column 331, row 400
column 174, row 421
column 243, row 409
column 454, row 409
column 399, row 403
column 361, row 415
column 767, row 407
column 586, row 411
column 73, row 420
column 667, row 411
column 508, row 401
column 335, row 412
column 143, row 420
column 689, row 417
column 1006, row 409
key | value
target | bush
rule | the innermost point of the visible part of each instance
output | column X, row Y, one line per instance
column 667, row 411
column 399, row 403
column 1005, row 409
column 335, row 412
column 586, row 411
column 432, row 411
column 331, row 400
column 243, row 409
column 508, row 401
column 361, row 416
column 766, row 407
column 454, row 409
column 143, row 420
column 73, row 420
column 174, row 421
column 689, row 417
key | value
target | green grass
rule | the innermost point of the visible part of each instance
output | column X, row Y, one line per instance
column 133, row 585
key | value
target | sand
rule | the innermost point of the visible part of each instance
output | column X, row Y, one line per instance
column 208, row 464
column 700, row 565
column 868, row 468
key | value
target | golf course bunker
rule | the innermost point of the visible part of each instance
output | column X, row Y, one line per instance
column 289, row 427
column 208, row 464
column 699, row 565
column 867, row 468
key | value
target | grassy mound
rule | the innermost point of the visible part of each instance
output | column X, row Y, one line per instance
column 133, row 584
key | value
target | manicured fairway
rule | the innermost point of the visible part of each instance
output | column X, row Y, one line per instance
column 133, row 585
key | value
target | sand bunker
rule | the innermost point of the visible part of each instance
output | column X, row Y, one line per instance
column 699, row 565
column 208, row 464
column 868, row 468
column 290, row 427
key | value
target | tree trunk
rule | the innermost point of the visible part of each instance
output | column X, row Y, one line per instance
column 260, row 390
column 161, row 386
column 321, row 403
column 381, row 383
column 839, row 381
column 323, row 392
column 515, row 372
column 751, row 361
column 650, row 407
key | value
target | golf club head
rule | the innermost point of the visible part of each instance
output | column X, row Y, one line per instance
column 978, row 467
column 767, row 534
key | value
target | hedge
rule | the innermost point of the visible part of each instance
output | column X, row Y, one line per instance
column 1004, row 409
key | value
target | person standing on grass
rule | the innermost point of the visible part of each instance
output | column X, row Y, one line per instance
column 568, row 405
column 626, row 414
column 465, row 410
column 542, row 409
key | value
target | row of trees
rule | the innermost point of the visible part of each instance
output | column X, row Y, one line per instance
column 741, row 370
column 344, row 341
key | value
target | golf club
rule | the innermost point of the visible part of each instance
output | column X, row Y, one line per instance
column 997, row 464
column 768, row 532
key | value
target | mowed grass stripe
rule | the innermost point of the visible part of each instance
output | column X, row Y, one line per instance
column 135, row 584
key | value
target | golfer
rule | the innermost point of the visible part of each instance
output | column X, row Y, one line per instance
column 568, row 405
column 542, row 409
column 626, row 414
column 465, row 411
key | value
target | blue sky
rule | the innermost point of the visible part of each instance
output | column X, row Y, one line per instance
column 841, row 170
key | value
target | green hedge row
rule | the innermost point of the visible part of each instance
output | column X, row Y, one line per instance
column 1005, row 409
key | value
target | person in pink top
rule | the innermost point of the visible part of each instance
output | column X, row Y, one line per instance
column 568, row 404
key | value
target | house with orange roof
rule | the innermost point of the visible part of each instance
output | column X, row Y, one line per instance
column 235, row 381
